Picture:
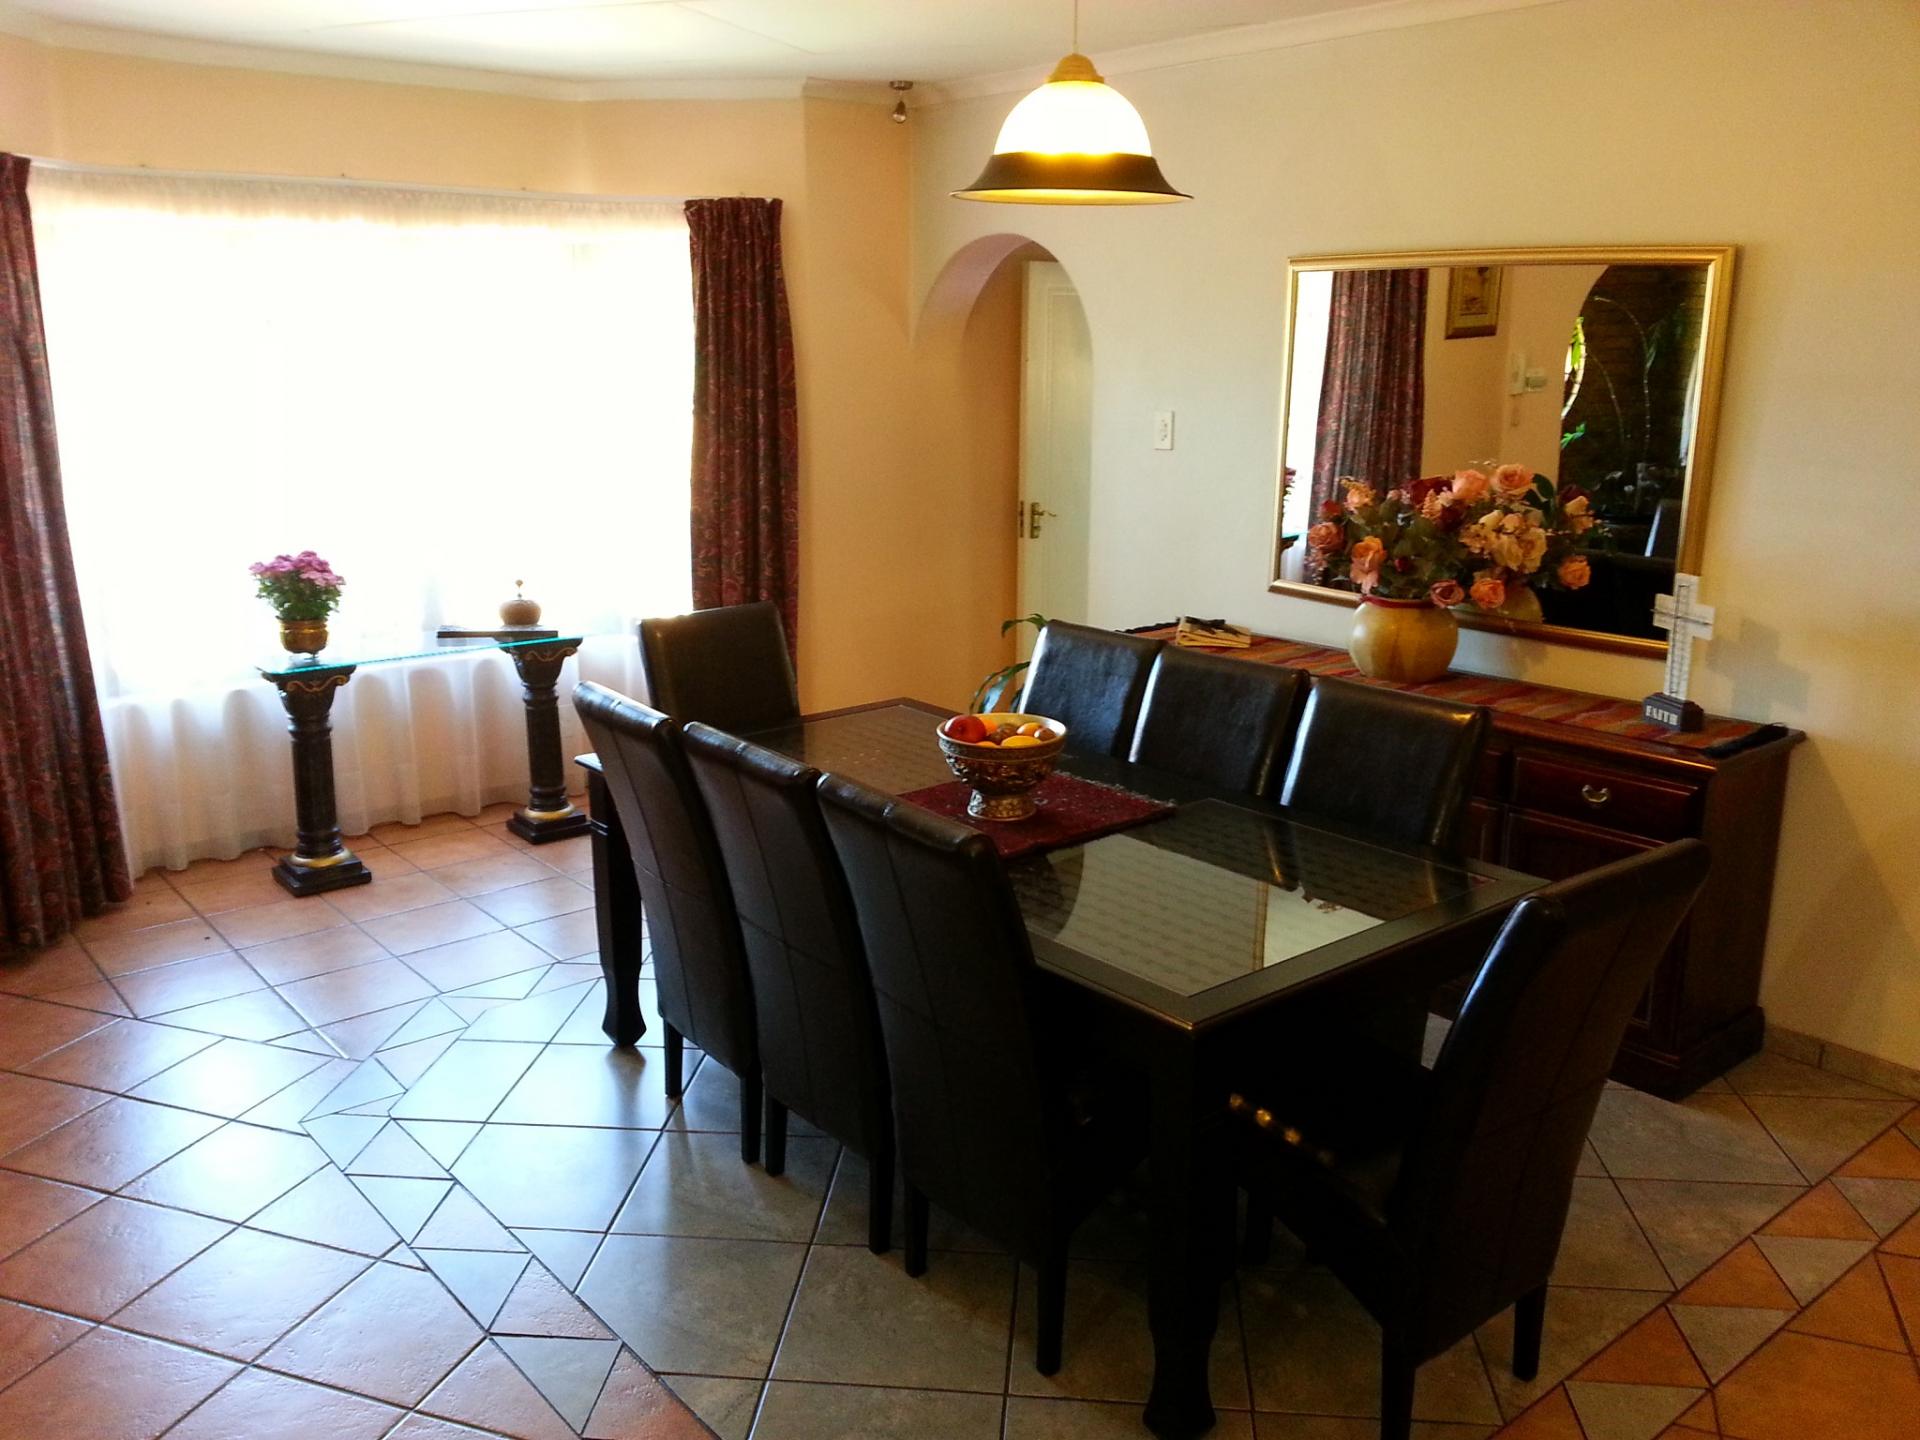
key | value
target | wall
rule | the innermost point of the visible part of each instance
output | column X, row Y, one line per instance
column 1790, row 129
column 1466, row 387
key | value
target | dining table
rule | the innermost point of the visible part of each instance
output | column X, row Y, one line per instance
column 1192, row 937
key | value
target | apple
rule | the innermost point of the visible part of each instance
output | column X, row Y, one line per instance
column 968, row 729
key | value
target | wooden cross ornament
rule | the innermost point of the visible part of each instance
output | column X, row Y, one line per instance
column 1685, row 620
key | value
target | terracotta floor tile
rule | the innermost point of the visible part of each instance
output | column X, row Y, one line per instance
column 286, row 1110
column 1857, row 1309
column 29, row 1108
column 1902, row 1275
column 1653, row 1352
column 30, row 1207
column 28, row 1336
column 327, row 1210
column 277, row 920
column 201, row 872
column 232, row 1173
column 1905, row 1240
column 1742, row 1278
column 1891, row 1157
column 120, row 1056
column 1798, row 1386
column 360, row 1037
column 99, row 995
column 242, row 1294
column 1822, row 1213
column 634, row 1405
column 565, row 937
column 485, row 957
column 449, row 849
column 399, row 832
column 240, row 890
column 570, row 1373
column 31, row 1028
column 259, row 1405
column 572, row 856
column 46, row 972
column 427, row 926
column 389, row 895
column 491, row 872
column 540, row 900
column 111, row 1386
column 486, row 1389
column 342, row 994
column 190, row 982
column 160, row 945
column 104, row 1256
column 285, row 961
column 384, row 864
column 150, row 905
column 111, row 1145
column 539, row 1305
column 229, row 1078
column 257, row 1015
column 393, row 1334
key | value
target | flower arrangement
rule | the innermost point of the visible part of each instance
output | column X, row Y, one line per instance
column 298, row 587
column 1455, row 539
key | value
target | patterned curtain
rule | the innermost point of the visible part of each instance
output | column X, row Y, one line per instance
column 746, row 445
column 1373, row 392
column 61, row 855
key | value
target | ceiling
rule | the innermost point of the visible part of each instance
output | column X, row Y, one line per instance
column 686, row 40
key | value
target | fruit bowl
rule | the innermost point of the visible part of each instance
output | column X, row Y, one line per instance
column 1003, row 776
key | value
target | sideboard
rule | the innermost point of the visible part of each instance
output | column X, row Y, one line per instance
column 1570, row 781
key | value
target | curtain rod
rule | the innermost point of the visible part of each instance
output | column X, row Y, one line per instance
column 347, row 182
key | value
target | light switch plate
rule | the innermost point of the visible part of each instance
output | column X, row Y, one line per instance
column 1163, row 429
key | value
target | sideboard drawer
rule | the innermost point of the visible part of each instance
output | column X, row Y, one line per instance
column 1635, row 804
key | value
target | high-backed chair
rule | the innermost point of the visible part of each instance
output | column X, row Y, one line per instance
column 728, row 666
column 820, row 1050
column 1439, row 1197
column 1091, row 681
column 699, row 960
column 1393, row 766
column 993, row 1123
column 1224, row 722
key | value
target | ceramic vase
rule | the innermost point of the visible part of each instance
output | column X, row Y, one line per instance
column 1408, row 642
column 303, row 637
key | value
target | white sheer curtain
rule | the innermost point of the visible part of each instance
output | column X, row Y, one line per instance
column 440, row 392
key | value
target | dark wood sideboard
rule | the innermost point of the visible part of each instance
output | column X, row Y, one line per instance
column 1556, row 796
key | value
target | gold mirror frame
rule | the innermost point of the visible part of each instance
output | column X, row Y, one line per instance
column 1719, row 263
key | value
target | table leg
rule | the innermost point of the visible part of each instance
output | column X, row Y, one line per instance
column 320, row 860
column 548, row 814
column 1192, row 1212
column 616, row 908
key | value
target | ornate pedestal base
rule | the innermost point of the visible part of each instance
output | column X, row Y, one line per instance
column 320, row 860
column 316, row 879
column 548, row 814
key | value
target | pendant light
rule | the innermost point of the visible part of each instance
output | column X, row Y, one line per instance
column 1074, row 141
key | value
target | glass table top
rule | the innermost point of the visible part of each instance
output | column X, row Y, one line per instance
column 355, row 650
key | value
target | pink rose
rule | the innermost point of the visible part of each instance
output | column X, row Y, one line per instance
column 1512, row 479
column 1575, row 572
column 1367, row 556
column 1447, row 593
column 1469, row 486
column 1327, row 536
column 1489, row 591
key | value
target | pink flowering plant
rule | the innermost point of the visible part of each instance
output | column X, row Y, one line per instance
column 1449, row 539
column 298, row 587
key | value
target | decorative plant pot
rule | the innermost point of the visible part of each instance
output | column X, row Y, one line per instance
column 1522, row 604
column 519, row 610
column 1408, row 642
column 303, row 637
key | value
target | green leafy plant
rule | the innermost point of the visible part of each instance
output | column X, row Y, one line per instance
column 992, row 690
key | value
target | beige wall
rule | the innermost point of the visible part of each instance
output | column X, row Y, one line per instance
column 1790, row 129
column 1466, row 390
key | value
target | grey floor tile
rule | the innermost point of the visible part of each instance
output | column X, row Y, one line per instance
column 697, row 1184
column 552, row 1177
column 1330, row 1427
column 467, row 1082
column 1091, row 1420
column 1819, row 1132
column 1692, row 1223
column 590, row 1085
column 1603, row 1244
column 727, row 1407
column 832, row 1412
column 1709, row 1137
column 1580, row 1323
column 860, row 1319
column 709, row 1307
column 845, row 1220
column 712, row 1102
column 1771, row 1073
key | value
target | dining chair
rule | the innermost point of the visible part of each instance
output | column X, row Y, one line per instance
column 1439, row 1197
column 1395, row 767
column 728, row 666
column 1091, row 681
column 1223, row 722
column 699, row 958
column 820, row 1050
column 996, row 1119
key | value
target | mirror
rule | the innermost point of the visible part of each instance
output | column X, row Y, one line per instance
column 1597, row 368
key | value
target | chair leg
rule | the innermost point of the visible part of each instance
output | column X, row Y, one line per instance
column 1397, row 1371
column 880, row 1200
column 776, row 1137
column 1529, row 1319
column 917, row 1217
column 1053, row 1311
column 674, row 1057
column 1258, row 1242
column 750, row 1116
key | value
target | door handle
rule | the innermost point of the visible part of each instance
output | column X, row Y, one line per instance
column 1034, row 515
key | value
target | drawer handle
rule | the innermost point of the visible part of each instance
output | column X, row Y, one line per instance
column 1595, row 795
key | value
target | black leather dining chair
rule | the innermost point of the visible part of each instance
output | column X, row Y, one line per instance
column 820, row 1050
column 1396, row 767
column 1439, row 1197
column 995, row 1120
column 699, row 959
column 728, row 666
column 1090, row 681
column 1223, row 722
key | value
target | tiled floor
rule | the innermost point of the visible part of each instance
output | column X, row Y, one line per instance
column 363, row 1165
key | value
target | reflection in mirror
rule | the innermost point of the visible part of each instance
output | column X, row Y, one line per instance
column 1593, row 368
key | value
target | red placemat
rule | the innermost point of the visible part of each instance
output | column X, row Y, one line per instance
column 1071, row 811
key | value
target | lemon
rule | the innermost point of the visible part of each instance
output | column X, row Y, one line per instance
column 1016, row 742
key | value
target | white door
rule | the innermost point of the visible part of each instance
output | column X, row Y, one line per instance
column 1056, row 449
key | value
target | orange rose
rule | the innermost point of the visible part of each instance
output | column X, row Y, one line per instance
column 1447, row 593
column 1360, row 495
column 1469, row 486
column 1367, row 556
column 1575, row 572
column 1327, row 536
column 1512, row 479
column 1489, row 592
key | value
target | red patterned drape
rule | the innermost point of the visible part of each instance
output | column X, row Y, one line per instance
column 60, row 850
column 1373, row 392
column 746, row 445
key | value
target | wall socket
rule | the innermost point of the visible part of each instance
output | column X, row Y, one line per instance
column 1163, row 429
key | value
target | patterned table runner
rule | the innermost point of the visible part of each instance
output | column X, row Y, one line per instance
column 1071, row 811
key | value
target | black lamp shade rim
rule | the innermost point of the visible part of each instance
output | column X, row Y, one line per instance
column 1117, row 179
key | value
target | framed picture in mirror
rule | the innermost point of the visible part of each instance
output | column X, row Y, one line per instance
column 1598, row 368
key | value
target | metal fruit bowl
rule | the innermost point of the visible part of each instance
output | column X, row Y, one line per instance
column 1003, row 780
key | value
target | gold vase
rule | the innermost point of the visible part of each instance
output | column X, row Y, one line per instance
column 1522, row 604
column 1408, row 642
column 303, row 637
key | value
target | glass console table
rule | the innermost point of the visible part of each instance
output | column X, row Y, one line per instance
column 321, row 860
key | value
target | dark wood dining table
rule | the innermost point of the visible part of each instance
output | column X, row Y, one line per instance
column 1187, row 935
